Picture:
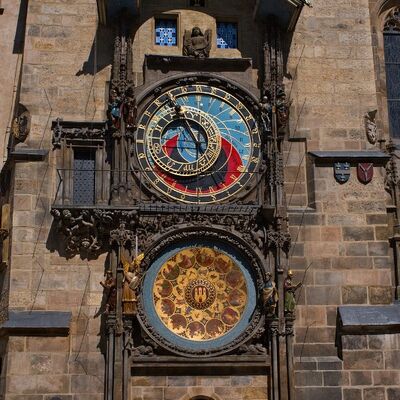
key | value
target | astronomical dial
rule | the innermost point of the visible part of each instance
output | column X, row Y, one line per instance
column 197, row 144
column 199, row 296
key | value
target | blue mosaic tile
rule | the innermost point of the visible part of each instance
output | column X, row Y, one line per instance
column 227, row 35
column 166, row 32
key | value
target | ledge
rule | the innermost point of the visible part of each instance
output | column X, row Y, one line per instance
column 36, row 323
column 374, row 156
column 366, row 320
column 26, row 154
column 182, row 63
column 223, row 365
column 361, row 320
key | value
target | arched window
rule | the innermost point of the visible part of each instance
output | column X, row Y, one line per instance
column 391, row 35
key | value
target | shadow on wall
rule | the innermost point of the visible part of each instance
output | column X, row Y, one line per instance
column 19, row 39
column 101, row 53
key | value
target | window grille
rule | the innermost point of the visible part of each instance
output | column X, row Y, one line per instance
column 166, row 32
column 392, row 67
column 227, row 35
column 84, row 177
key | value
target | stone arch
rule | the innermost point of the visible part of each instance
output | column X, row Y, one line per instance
column 209, row 396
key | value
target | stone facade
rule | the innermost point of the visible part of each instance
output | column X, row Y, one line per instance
column 340, row 232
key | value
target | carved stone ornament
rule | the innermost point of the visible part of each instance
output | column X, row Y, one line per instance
column 21, row 124
column 3, row 234
column 392, row 21
column 213, row 235
column 196, row 44
column 365, row 172
column 86, row 231
column 76, row 131
column 370, row 126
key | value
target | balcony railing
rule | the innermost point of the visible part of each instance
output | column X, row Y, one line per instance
column 92, row 187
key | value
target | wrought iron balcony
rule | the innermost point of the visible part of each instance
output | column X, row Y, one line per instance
column 93, row 188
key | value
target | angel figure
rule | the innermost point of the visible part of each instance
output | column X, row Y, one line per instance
column 132, row 278
column 197, row 44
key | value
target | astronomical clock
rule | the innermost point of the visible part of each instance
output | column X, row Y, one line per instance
column 198, row 143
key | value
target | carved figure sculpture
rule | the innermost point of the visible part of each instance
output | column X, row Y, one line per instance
column 197, row 44
column 290, row 290
column 21, row 124
column 132, row 278
column 110, row 285
column 370, row 126
column 270, row 296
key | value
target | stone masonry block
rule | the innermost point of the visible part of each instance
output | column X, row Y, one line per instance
column 363, row 359
column 374, row 393
column 380, row 294
column 316, row 393
column 393, row 393
column 308, row 378
column 354, row 295
column 392, row 359
column 323, row 295
column 360, row 378
column 358, row 233
column 352, row 394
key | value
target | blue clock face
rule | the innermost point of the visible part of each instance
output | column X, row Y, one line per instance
column 198, row 144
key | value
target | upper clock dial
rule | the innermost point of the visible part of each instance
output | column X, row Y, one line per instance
column 198, row 144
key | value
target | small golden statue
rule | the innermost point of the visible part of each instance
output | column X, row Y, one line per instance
column 290, row 290
column 132, row 278
column 196, row 44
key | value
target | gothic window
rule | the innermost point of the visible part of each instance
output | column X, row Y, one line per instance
column 84, row 176
column 166, row 30
column 227, row 35
column 391, row 36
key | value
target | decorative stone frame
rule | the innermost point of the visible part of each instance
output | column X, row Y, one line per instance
column 255, row 259
column 68, row 136
column 379, row 14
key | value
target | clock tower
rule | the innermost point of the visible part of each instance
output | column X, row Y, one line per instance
column 184, row 190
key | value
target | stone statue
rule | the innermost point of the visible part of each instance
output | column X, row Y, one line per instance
column 114, row 109
column 110, row 286
column 370, row 126
column 270, row 296
column 290, row 290
column 266, row 110
column 21, row 124
column 196, row 44
column 132, row 278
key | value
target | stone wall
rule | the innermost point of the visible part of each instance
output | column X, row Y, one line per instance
column 339, row 232
column 185, row 387
column 370, row 370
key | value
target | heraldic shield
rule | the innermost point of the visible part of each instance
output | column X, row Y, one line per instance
column 365, row 172
column 342, row 171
